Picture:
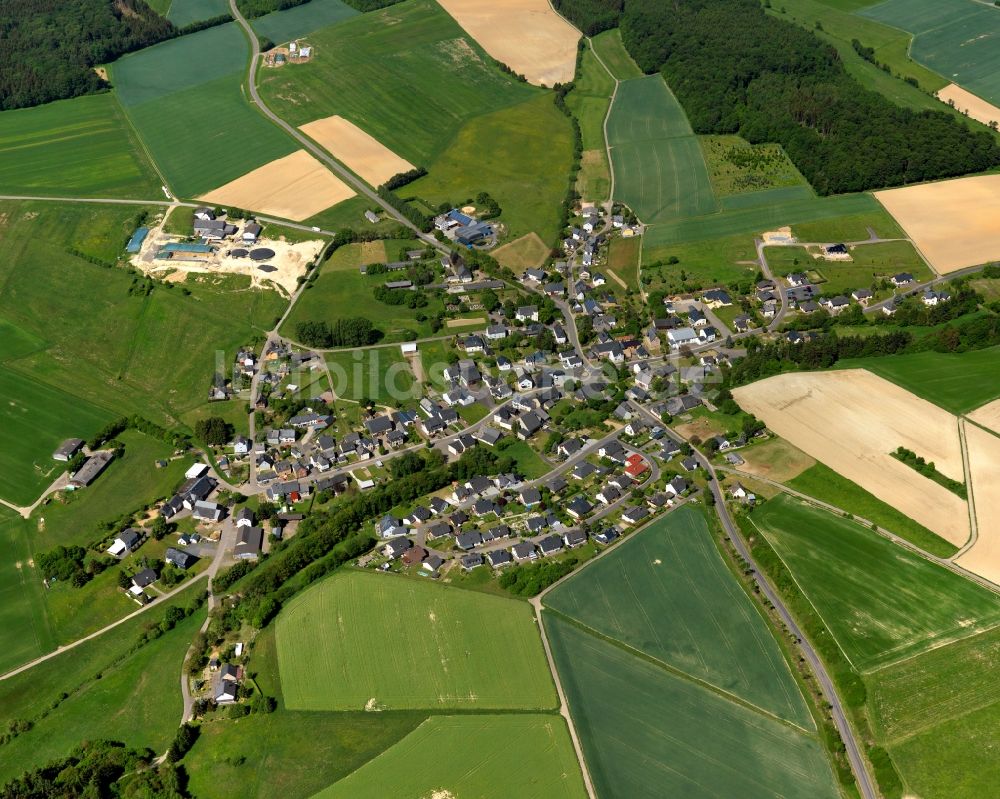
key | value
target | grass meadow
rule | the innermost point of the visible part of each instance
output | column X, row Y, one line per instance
column 881, row 602
column 408, row 75
column 24, row 629
column 291, row 23
column 648, row 732
column 136, row 698
column 706, row 262
column 381, row 374
column 623, row 260
column 186, row 100
column 737, row 167
column 589, row 102
column 940, row 377
column 361, row 639
column 490, row 757
column 608, row 45
column 184, row 12
column 520, row 155
column 955, row 39
column 82, row 147
column 659, row 169
column 154, row 355
column 666, row 593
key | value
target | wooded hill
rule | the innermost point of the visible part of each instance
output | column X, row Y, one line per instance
column 51, row 46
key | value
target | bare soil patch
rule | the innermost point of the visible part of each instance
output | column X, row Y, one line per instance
column 969, row 104
column 953, row 222
column 373, row 252
column 526, row 35
column 478, row 320
column 983, row 558
column 295, row 187
column 852, row 420
column 362, row 153
column 775, row 460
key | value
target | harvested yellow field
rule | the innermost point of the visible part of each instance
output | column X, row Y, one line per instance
column 295, row 187
column 969, row 104
column 775, row 460
column 851, row 421
column 983, row 557
column 988, row 416
column 364, row 155
column 953, row 222
column 526, row 35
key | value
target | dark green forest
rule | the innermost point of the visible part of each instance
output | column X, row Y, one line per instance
column 591, row 16
column 51, row 46
column 735, row 69
column 258, row 8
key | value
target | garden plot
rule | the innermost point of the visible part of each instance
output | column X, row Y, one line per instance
column 851, row 421
column 953, row 222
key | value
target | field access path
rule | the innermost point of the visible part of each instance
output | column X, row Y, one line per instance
column 342, row 171
column 851, row 746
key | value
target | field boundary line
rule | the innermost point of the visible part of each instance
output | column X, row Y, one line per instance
column 938, row 645
column 970, row 500
column 680, row 674
column 138, row 137
column 803, row 592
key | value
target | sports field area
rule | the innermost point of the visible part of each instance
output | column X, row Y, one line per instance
column 489, row 757
column 955, row 38
column 882, row 603
column 291, row 23
column 659, row 169
column 184, row 97
column 666, row 593
column 407, row 75
column 647, row 732
column 79, row 147
column 158, row 356
column 361, row 640
column 941, row 377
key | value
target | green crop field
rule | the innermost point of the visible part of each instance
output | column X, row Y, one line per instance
column 360, row 638
column 185, row 98
column 341, row 291
column 24, row 628
column 136, row 698
column 489, row 757
column 589, row 102
column 667, row 593
column 647, row 732
column 530, row 147
column 955, row 38
column 659, row 169
column 80, row 147
column 881, row 602
column 616, row 58
column 942, row 378
column 408, row 75
column 282, row 26
column 154, row 355
column 184, row 12
column 870, row 264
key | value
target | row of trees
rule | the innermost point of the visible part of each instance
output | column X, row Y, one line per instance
column 353, row 332
column 736, row 69
column 591, row 16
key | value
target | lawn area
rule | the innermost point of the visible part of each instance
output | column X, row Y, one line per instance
column 34, row 420
column 361, row 639
column 79, row 147
column 342, row 292
column 530, row 154
column 881, row 602
column 616, row 58
column 529, row 463
column 24, row 627
column 940, row 377
column 871, row 264
column 647, row 733
column 955, row 39
column 822, row 483
column 473, row 756
column 408, row 75
column 737, row 167
column 158, row 356
column 589, row 103
column 666, row 593
column 659, row 169
column 291, row 23
column 380, row 373
column 623, row 260
column 756, row 220
column 135, row 699
column 524, row 253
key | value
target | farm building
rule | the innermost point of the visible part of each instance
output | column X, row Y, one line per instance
column 91, row 469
